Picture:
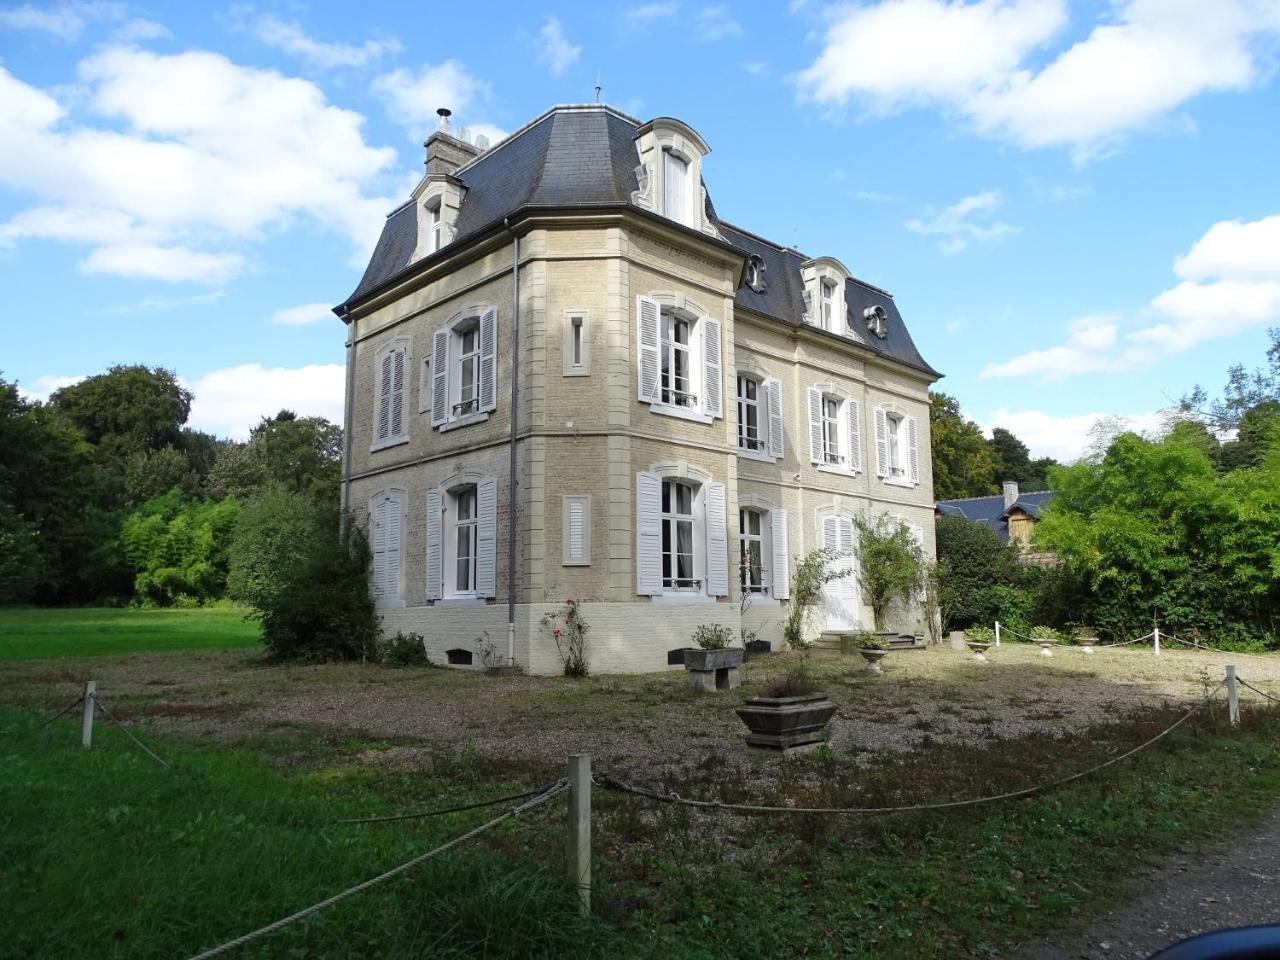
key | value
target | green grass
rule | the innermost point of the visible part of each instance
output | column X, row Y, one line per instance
column 30, row 633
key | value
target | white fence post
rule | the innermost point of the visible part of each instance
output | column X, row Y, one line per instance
column 1156, row 633
column 1233, row 696
column 997, row 633
column 580, row 828
column 86, row 720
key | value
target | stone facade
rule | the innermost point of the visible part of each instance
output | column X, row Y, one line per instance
column 584, row 436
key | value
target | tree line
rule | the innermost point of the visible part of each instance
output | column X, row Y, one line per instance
column 967, row 464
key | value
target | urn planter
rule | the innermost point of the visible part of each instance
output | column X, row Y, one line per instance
column 979, row 649
column 1045, row 645
column 873, row 658
column 1085, row 643
column 713, row 670
column 786, row 724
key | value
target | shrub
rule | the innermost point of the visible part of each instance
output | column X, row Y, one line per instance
column 796, row 682
column 890, row 564
column 807, row 580
column 712, row 636
column 853, row 642
column 179, row 549
column 404, row 650
column 1046, row 633
column 569, row 631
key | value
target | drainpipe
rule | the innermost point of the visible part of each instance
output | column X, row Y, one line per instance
column 346, row 426
column 515, row 408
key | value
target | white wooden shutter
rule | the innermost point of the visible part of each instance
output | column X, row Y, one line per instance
column 815, row 425
column 435, row 545
column 882, row 443
column 846, row 535
column 398, row 358
column 717, row 549
column 781, row 555
column 391, row 581
column 488, row 360
column 648, row 321
column 713, row 381
column 773, row 397
column 440, row 378
column 575, row 531
column 913, row 452
column 855, row 435
column 831, row 534
column 378, row 543
column 486, row 537
column 648, row 534
column 384, row 397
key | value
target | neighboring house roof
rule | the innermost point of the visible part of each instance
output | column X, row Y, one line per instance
column 586, row 157
column 991, row 511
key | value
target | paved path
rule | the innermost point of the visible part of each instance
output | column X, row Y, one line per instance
column 1231, row 884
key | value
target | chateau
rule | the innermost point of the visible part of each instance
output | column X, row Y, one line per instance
column 567, row 376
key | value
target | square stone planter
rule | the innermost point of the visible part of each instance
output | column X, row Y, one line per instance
column 713, row 670
column 786, row 724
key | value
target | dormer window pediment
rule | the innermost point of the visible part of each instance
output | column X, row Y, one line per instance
column 438, row 199
column 824, row 288
column 669, row 174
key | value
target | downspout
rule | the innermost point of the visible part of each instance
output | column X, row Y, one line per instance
column 346, row 426
column 515, row 415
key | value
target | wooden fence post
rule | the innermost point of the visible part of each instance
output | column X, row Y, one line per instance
column 1156, row 633
column 580, row 828
column 86, row 720
column 1233, row 697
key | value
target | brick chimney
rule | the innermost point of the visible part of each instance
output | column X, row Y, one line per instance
column 446, row 151
column 1010, row 493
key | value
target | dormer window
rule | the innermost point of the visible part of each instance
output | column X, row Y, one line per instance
column 438, row 198
column 754, row 274
column 828, row 305
column 669, row 174
column 676, row 192
column 435, row 227
column 824, row 291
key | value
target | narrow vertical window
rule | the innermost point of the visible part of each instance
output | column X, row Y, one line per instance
column 751, row 550
column 576, row 339
column 677, row 536
column 434, row 227
column 467, row 534
column 468, row 371
column 828, row 305
column 676, row 187
column 749, row 413
column 894, row 424
column 831, row 430
column 677, row 363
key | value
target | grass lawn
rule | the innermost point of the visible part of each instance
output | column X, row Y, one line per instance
column 265, row 757
column 30, row 633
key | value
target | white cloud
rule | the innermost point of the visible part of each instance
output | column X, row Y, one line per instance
column 231, row 401
column 555, row 52
column 288, row 36
column 1065, row 438
column 161, row 304
column 647, row 13
column 139, row 30
column 46, row 385
column 1144, row 61
column 303, row 314
column 413, row 96
column 177, row 157
column 1230, row 283
column 66, row 21
column 755, row 67
column 716, row 23
column 956, row 224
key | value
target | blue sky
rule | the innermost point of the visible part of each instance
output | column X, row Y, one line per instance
column 1075, row 204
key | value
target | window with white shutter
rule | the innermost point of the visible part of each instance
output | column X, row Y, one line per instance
column 575, row 534
column 435, row 545
column 391, row 395
column 781, row 555
column 855, row 435
column 712, row 382
column 649, row 534
column 913, row 452
column 773, row 393
column 882, row 442
column 386, row 542
column 717, row 541
column 464, row 361
column 680, row 370
column 897, row 453
column 759, row 406
column 465, row 539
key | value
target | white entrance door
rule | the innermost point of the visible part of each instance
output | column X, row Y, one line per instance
column 840, row 597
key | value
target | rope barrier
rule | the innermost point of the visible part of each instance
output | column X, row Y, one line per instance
column 556, row 788
column 125, row 730
column 1125, row 643
column 1262, row 693
column 62, row 713
column 440, row 813
column 612, row 783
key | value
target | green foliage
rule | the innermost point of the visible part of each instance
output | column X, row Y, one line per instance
column 1243, row 392
column 811, row 574
column 404, row 650
column 306, row 575
column 21, row 561
column 712, row 636
column 1046, row 633
column 127, row 410
column 179, row 549
column 1013, row 461
column 890, row 564
column 862, row 640
column 978, row 574
column 963, row 465
column 299, row 454
column 569, row 631
column 979, row 634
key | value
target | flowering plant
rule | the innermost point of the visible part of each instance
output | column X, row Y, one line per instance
column 569, row 631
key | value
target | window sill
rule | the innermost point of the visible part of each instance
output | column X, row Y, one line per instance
column 839, row 471
column 898, row 482
column 697, row 598
column 745, row 454
column 462, row 602
column 388, row 442
column 680, row 413
column 395, row 603
column 466, row 421
column 577, row 372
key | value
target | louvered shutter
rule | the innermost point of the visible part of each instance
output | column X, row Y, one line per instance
column 882, row 443
column 398, row 358
column 717, row 549
column 815, row 425
column 855, row 435
column 576, row 530
column 773, row 397
column 486, row 537
column 831, row 534
column 488, row 360
column 713, row 382
column 648, row 534
column 435, row 545
column 384, row 398
column 379, row 546
column 781, row 555
column 846, row 535
column 391, row 580
column 648, row 321
column 440, row 378
column 913, row 452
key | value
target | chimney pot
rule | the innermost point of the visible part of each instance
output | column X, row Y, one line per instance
column 1010, row 493
column 444, row 113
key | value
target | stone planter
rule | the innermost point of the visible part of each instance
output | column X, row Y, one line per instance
column 979, row 649
column 712, row 670
column 755, row 648
column 1086, row 643
column 956, row 638
column 786, row 724
column 1044, row 646
column 873, row 658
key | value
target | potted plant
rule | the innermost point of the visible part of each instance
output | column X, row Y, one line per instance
column 789, row 714
column 1044, row 638
column 873, row 647
column 713, row 665
column 979, row 640
column 1086, row 638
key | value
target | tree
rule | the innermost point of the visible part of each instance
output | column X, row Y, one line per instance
column 890, row 564
column 301, row 454
column 963, row 465
column 128, row 409
column 1243, row 391
column 179, row 548
column 1258, row 431
column 1013, row 461
column 978, row 575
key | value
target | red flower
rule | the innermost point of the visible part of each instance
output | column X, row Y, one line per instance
column 556, row 633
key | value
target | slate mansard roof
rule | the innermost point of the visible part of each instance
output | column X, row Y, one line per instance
column 991, row 511
column 585, row 156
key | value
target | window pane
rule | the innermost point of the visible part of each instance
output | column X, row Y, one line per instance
column 577, row 341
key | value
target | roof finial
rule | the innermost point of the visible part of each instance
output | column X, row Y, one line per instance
column 598, row 87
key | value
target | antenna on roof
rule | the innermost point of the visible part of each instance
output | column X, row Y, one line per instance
column 598, row 87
